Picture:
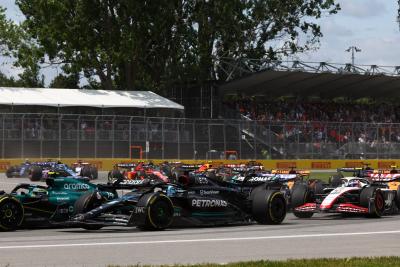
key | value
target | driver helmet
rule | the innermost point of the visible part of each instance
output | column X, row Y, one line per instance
column 37, row 191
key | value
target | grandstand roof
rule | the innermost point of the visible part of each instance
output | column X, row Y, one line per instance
column 324, row 84
column 83, row 97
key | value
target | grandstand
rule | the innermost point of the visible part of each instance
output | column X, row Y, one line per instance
column 264, row 110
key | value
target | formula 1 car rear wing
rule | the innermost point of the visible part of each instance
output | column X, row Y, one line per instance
column 126, row 165
column 295, row 172
column 382, row 177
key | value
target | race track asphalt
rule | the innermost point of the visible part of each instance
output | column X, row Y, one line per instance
column 320, row 236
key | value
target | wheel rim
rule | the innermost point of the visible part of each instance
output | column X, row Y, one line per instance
column 379, row 202
column 277, row 208
column 160, row 213
column 11, row 214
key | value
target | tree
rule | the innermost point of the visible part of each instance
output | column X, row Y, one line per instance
column 16, row 43
column 130, row 44
column 65, row 81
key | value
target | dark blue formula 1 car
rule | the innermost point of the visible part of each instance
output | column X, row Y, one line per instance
column 37, row 171
column 198, row 201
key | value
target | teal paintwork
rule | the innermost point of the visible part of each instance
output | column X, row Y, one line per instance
column 54, row 202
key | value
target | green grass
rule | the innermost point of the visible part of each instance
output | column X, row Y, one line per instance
column 346, row 262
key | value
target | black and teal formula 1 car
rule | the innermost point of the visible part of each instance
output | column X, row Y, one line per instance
column 198, row 201
column 31, row 205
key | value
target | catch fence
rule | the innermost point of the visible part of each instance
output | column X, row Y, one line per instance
column 105, row 136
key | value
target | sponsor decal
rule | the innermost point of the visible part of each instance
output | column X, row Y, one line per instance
column 62, row 199
column 132, row 182
column 76, row 186
column 209, row 203
column 138, row 210
column 209, row 192
column 63, row 211
column 386, row 164
column 286, row 164
column 238, row 178
column 321, row 165
column 202, row 180
column 354, row 164
column 59, row 193
column 259, row 179
column 4, row 165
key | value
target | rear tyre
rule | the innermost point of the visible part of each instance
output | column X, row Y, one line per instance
column 95, row 173
column 378, row 203
column 86, row 172
column 85, row 203
column 301, row 194
column 11, row 213
column 159, row 211
column 268, row 206
column 115, row 174
column 397, row 199
column 35, row 174
column 317, row 187
column 336, row 180
column 10, row 171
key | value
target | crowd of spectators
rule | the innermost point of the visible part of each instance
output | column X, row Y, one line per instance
column 323, row 121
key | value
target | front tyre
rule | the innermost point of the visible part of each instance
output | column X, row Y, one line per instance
column 378, row 201
column 11, row 213
column 87, row 202
column 268, row 206
column 10, row 171
column 35, row 174
column 301, row 195
column 159, row 211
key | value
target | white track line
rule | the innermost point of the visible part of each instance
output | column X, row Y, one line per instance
column 197, row 240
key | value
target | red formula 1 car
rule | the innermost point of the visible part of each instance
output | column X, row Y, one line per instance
column 137, row 171
column 355, row 195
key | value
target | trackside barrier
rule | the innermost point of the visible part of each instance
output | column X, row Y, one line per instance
column 105, row 164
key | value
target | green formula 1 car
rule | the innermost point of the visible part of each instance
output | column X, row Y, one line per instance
column 31, row 205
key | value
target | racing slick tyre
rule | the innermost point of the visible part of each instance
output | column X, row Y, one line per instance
column 268, row 206
column 335, row 180
column 87, row 202
column 301, row 194
column 35, row 174
column 95, row 172
column 317, row 187
column 10, row 171
column 11, row 213
column 159, row 211
column 397, row 199
column 115, row 174
column 86, row 172
column 376, row 195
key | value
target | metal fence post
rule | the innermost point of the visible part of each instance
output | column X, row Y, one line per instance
column 41, row 136
column 130, row 135
column 179, row 138
column 162, row 138
column 59, row 135
column 22, row 136
column 209, row 139
column 194, row 140
column 113, row 138
column 78, row 132
column 240, row 138
column 95, row 137
column 224, row 133
column 4, row 136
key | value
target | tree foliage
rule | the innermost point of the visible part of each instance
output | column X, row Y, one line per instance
column 16, row 43
column 133, row 44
